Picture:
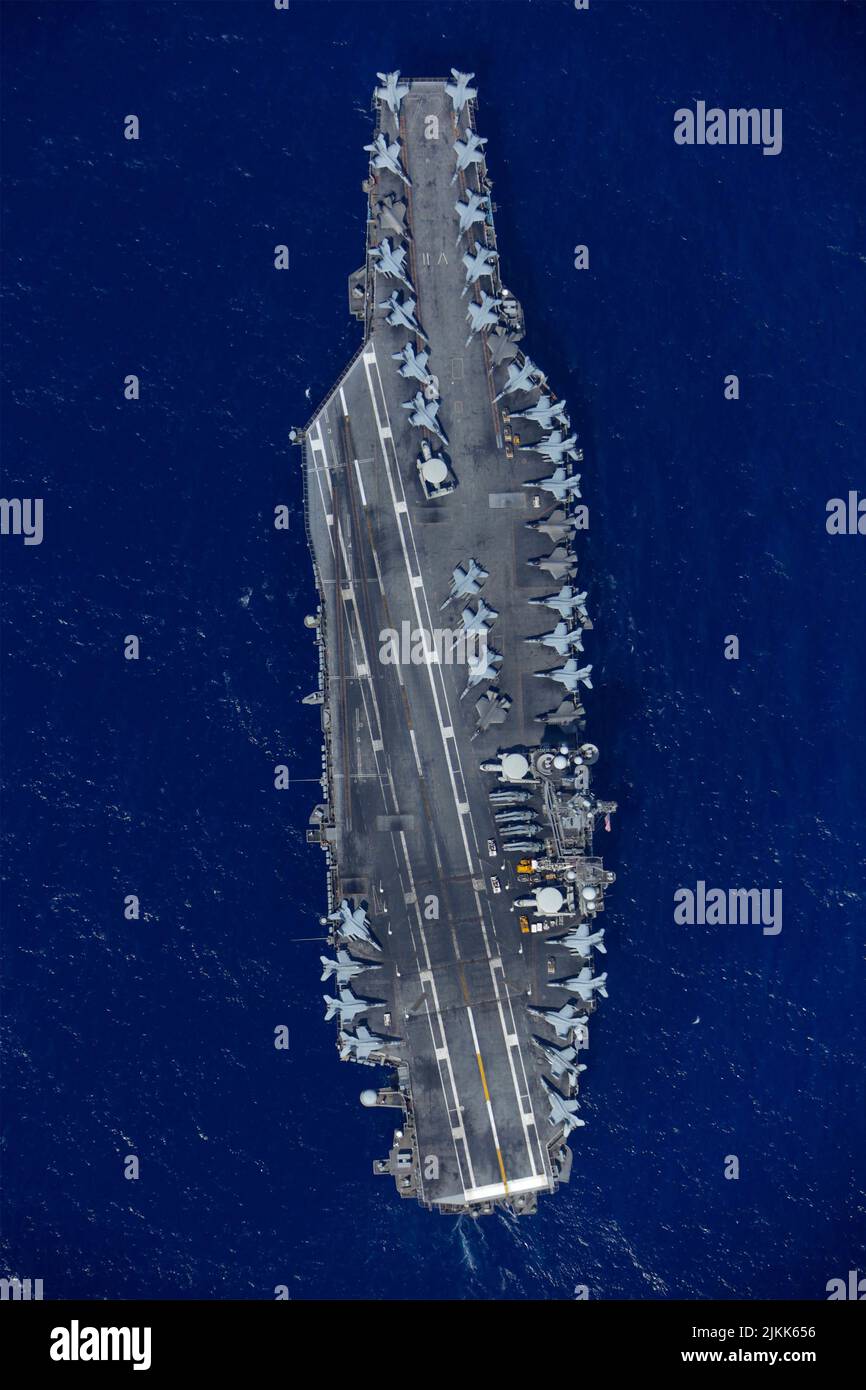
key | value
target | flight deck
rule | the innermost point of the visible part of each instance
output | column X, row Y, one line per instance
column 442, row 508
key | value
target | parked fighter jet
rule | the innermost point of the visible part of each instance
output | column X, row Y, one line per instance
column 424, row 414
column 469, row 151
column 402, row 313
column 565, row 713
column 361, row 1044
column 505, row 818
column 479, row 262
column 521, row 378
column 561, row 639
column 466, row 581
column 344, row 967
column 508, row 798
column 459, row 90
column 523, row 847
column 484, row 669
column 470, row 212
column 390, row 262
column 558, row 526
column 391, row 214
column 502, row 346
column 569, row 675
column 584, row 984
column 559, row 564
column 562, row 1112
column 565, row 602
column 554, row 448
column 414, row 364
column 564, row 1021
column 479, row 621
column 482, row 315
column 347, row 1006
column 560, row 484
column 491, row 709
column 353, row 924
column 392, row 90
column 543, row 413
column 582, row 940
column 387, row 156
column 561, row 1060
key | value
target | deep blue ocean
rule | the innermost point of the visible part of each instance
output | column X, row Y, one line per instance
column 155, row 777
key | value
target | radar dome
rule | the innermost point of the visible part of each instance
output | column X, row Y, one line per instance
column 549, row 900
column 515, row 767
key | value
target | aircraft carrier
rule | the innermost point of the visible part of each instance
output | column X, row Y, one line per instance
column 443, row 508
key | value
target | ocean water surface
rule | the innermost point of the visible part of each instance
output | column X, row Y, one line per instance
column 156, row 777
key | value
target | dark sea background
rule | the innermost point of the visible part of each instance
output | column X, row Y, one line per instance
column 156, row 777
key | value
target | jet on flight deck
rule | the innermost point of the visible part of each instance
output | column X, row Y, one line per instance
column 424, row 414
column 392, row 90
column 479, row 262
column 585, row 984
column 459, row 90
column 402, row 313
column 353, row 923
column 387, row 156
column 570, row 675
column 391, row 262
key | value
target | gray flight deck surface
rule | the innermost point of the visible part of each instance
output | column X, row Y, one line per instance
column 407, row 814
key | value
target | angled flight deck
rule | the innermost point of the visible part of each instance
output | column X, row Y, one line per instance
column 442, row 506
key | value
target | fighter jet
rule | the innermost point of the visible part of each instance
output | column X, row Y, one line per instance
column 484, row 669
column 491, row 709
column 569, row 675
column 478, row 263
column 581, row 941
column 347, row 1006
column 345, row 968
column 392, row 90
column 469, row 151
column 521, row 378
column 482, row 315
column 390, row 262
column 502, row 346
column 470, row 212
column 561, row 1060
column 459, row 90
column 562, row 1112
column 558, row 526
column 413, row 364
column 561, row 484
column 361, row 1044
column 479, row 621
column 522, row 847
column 387, row 156
column 561, row 639
column 560, row 563
column 353, row 924
column 543, row 413
column 391, row 214
column 515, row 819
column 554, row 448
column 465, row 581
column 584, row 984
column 402, row 313
column 564, row 1021
column 565, row 602
column 508, row 798
column 424, row 414
column 565, row 713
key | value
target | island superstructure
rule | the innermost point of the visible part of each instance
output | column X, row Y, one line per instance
column 442, row 507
